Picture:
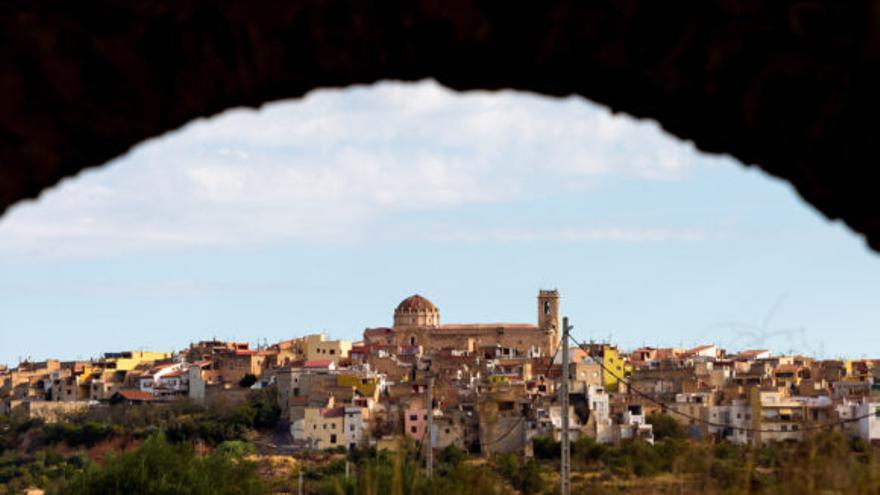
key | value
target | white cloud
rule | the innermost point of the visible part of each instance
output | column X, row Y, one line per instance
column 328, row 166
column 569, row 234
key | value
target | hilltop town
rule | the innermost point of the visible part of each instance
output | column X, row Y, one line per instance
column 493, row 387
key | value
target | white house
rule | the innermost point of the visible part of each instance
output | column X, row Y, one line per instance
column 353, row 423
column 869, row 423
column 600, row 416
column 173, row 383
column 731, row 421
column 706, row 351
column 634, row 425
column 166, row 379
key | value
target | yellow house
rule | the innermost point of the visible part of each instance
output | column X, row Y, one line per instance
column 614, row 366
column 365, row 386
column 129, row 360
column 323, row 427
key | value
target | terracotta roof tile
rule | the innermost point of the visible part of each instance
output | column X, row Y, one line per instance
column 415, row 303
column 336, row 412
column 318, row 363
column 488, row 326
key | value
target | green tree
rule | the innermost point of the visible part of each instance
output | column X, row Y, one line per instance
column 665, row 426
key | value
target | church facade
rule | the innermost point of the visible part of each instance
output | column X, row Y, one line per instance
column 417, row 323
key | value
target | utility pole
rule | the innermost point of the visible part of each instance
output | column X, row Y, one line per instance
column 301, row 481
column 429, row 457
column 566, row 447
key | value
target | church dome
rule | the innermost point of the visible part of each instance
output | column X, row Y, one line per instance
column 416, row 311
column 416, row 303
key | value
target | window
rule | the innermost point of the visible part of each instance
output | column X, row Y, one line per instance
column 324, row 425
column 332, row 351
column 350, row 427
column 333, row 426
column 413, row 429
column 413, row 417
column 784, row 427
column 333, row 438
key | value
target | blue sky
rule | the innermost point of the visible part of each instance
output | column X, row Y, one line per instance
column 320, row 215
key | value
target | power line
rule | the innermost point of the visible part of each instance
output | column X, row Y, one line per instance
column 507, row 433
column 522, row 418
column 648, row 397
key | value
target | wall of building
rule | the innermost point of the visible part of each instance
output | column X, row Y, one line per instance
column 321, row 432
column 51, row 411
column 869, row 427
column 354, row 427
column 318, row 348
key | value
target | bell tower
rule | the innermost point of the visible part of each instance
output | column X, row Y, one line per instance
column 548, row 318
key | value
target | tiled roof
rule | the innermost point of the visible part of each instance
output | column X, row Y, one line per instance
column 336, row 412
column 701, row 348
column 415, row 303
column 488, row 326
column 318, row 363
column 752, row 352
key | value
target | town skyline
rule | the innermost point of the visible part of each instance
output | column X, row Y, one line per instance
column 759, row 336
column 483, row 381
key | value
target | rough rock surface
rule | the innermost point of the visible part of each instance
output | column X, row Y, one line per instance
column 787, row 85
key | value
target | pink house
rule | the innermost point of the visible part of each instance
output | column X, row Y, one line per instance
column 416, row 422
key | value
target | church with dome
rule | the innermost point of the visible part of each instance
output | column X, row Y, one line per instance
column 417, row 324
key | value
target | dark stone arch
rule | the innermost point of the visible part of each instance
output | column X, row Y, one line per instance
column 787, row 85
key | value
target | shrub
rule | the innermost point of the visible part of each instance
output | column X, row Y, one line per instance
column 665, row 426
column 74, row 435
column 587, row 450
column 160, row 468
column 523, row 476
column 546, row 448
column 236, row 448
column 452, row 456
